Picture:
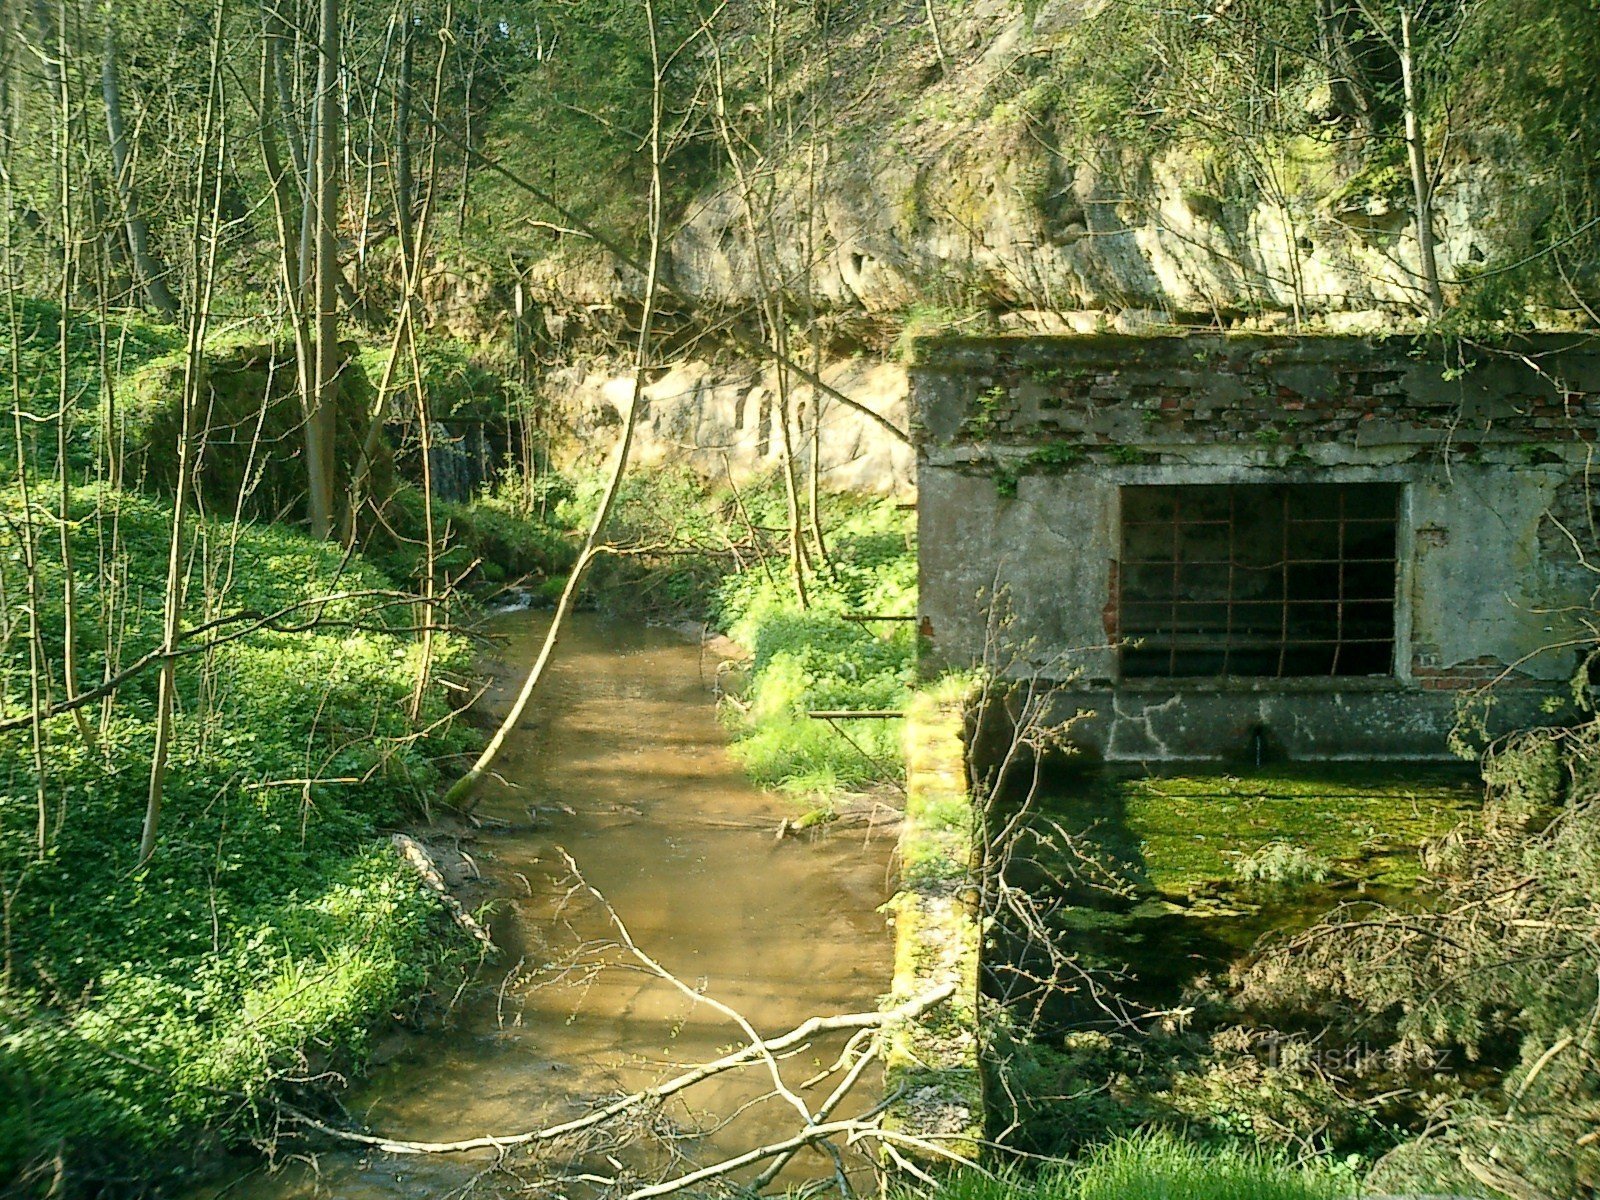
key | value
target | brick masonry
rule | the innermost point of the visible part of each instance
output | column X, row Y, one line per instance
column 1165, row 394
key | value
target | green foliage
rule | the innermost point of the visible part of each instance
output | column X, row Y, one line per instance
column 1533, row 67
column 1282, row 866
column 1494, row 978
column 933, row 320
column 677, row 536
column 493, row 539
column 504, row 543
column 809, row 658
column 580, row 113
column 1159, row 1167
column 251, row 456
column 460, row 385
column 1271, row 1088
column 1066, row 1093
column 130, row 342
column 143, row 1004
column 1050, row 459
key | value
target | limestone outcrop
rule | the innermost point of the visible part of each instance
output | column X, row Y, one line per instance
column 721, row 421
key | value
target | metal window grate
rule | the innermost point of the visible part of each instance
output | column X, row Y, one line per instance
column 1287, row 580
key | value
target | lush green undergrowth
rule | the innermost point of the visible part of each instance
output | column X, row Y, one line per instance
column 271, row 928
column 1163, row 1168
column 809, row 657
column 485, row 543
column 33, row 361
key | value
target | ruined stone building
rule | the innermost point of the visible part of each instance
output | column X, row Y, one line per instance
column 1327, row 546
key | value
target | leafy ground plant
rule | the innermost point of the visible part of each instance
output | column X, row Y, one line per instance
column 811, row 657
column 1159, row 1167
column 272, row 927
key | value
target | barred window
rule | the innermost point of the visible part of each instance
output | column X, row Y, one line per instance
column 1279, row 580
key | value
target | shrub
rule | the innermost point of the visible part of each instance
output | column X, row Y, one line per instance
column 1498, row 970
column 486, row 541
column 1282, row 866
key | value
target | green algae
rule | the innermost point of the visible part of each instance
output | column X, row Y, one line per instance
column 1177, row 833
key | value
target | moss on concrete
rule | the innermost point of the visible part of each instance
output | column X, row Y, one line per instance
column 932, row 1063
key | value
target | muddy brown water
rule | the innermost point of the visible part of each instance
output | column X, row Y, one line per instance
column 624, row 765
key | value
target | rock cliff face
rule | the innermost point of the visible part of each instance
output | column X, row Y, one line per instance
column 947, row 197
column 943, row 183
column 722, row 423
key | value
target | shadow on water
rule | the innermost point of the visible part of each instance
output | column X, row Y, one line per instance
column 1135, row 875
column 626, row 768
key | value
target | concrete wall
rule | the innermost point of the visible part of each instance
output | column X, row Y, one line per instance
column 1024, row 444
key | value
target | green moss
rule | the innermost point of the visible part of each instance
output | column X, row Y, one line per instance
column 253, row 449
column 1180, row 831
column 461, row 386
column 933, row 1061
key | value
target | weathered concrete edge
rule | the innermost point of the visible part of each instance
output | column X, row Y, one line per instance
column 933, row 1061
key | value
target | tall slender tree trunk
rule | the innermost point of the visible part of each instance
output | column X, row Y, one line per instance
column 38, row 663
column 289, row 200
column 203, row 264
column 404, row 186
column 758, row 219
column 151, row 274
column 1421, row 179
column 64, row 180
column 412, row 258
column 323, row 406
column 813, row 329
column 412, row 249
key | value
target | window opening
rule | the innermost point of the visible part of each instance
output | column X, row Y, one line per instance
column 1259, row 580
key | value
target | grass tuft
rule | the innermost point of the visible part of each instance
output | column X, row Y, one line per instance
column 1162, row 1167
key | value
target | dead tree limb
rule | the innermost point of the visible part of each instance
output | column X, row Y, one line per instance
column 743, row 1056
column 694, row 994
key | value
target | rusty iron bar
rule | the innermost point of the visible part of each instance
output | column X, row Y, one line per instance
column 865, row 714
column 1225, row 622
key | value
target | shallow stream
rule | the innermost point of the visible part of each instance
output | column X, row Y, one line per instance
column 624, row 765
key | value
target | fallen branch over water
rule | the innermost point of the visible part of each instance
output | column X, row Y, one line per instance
column 756, row 1051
